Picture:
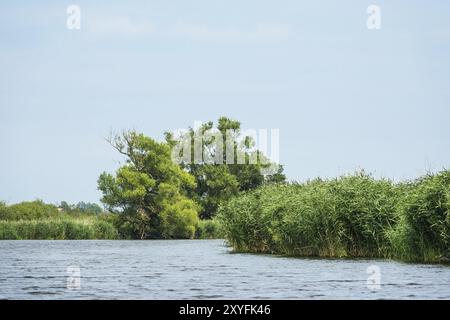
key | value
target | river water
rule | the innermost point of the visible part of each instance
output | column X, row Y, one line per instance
column 201, row 269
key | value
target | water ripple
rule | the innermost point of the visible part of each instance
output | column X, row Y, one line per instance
column 199, row 269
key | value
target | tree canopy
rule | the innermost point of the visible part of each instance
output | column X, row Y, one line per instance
column 220, row 175
column 149, row 189
column 158, row 197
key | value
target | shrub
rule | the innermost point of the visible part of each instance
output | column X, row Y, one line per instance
column 179, row 220
column 105, row 230
column 208, row 229
column 28, row 211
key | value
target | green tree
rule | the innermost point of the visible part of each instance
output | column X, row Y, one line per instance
column 87, row 207
column 218, row 177
column 149, row 190
column 65, row 206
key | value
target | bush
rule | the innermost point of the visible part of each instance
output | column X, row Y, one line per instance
column 179, row 220
column 28, row 211
column 208, row 229
column 105, row 230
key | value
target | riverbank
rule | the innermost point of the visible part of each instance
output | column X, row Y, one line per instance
column 37, row 220
column 350, row 216
column 57, row 229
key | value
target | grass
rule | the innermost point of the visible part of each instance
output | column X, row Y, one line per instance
column 350, row 216
column 423, row 233
column 37, row 220
column 57, row 229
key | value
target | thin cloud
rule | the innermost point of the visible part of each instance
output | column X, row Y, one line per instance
column 207, row 32
column 126, row 26
column 119, row 26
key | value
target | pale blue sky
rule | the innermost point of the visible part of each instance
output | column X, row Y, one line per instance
column 344, row 97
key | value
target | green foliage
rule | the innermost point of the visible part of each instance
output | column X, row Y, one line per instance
column 208, row 229
column 352, row 216
column 28, row 211
column 179, row 219
column 80, row 210
column 424, row 231
column 149, row 190
column 37, row 220
column 365, row 208
column 214, row 184
column 218, row 178
column 81, row 207
column 57, row 229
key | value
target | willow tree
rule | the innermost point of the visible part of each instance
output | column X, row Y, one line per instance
column 148, row 191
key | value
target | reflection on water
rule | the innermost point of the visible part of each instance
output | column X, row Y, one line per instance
column 200, row 269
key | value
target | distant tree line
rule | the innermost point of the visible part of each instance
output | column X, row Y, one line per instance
column 81, row 207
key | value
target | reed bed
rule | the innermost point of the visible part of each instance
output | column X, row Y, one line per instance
column 57, row 229
column 350, row 216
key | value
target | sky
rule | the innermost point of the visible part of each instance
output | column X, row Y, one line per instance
column 343, row 96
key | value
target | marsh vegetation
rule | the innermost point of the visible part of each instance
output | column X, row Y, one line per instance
column 351, row 216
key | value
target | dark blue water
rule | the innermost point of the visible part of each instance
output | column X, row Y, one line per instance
column 201, row 269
